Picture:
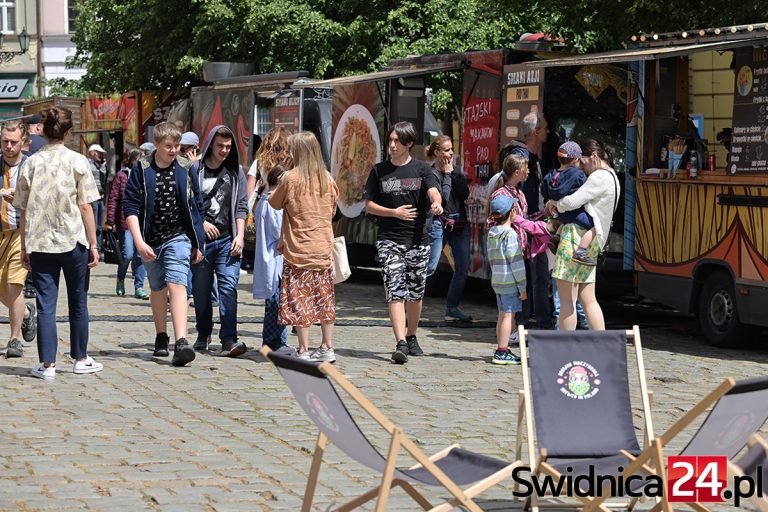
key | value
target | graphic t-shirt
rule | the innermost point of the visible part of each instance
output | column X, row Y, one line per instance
column 166, row 221
column 391, row 187
column 217, row 205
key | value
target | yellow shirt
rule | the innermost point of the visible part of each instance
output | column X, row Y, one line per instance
column 306, row 238
column 51, row 186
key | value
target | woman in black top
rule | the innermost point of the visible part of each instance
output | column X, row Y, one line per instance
column 450, row 227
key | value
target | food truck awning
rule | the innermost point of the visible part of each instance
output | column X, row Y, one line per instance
column 389, row 74
column 642, row 54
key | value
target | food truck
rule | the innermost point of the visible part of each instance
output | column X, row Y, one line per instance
column 697, row 153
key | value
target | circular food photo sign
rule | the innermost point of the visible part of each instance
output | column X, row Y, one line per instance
column 744, row 80
column 356, row 148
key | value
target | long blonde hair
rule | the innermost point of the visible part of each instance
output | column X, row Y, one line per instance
column 308, row 162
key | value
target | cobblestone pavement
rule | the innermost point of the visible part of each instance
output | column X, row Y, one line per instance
column 225, row 435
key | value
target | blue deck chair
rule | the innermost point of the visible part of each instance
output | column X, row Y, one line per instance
column 577, row 409
column 312, row 384
column 738, row 411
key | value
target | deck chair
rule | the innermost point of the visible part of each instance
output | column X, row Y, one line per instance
column 312, row 385
column 747, row 465
column 576, row 405
column 738, row 411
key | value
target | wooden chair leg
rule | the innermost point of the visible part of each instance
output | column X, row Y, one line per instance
column 389, row 471
column 314, row 471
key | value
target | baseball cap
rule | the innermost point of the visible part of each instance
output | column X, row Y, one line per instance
column 35, row 119
column 189, row 139
column 501, row 204
column 569, row 149
column 147, row 147
column 96, row 147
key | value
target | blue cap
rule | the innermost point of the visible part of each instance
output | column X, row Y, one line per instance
column 501, row 205
column 189, row 139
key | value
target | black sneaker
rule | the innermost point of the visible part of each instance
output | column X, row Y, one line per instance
column 29, row 324
column 413, row 346
column 233, row 348
column 29, row 291
column 400, row 355
column 161, row 345
column 14, row 349
column 201, row 344
column 182, row 353
column 580, row 256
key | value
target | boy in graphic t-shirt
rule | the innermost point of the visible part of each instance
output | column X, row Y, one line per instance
column 163, row 209
column 401, row 191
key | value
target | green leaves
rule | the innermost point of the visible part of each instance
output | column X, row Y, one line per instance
column 162, row 44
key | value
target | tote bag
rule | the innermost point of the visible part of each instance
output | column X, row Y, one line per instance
column 112, row 253
column 341, row 271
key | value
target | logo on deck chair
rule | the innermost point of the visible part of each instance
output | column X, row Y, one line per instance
column 321, row 412
column 578, row 380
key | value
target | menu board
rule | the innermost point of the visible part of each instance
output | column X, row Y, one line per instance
column 749, row 143
column 482, row 109
column 522, row 95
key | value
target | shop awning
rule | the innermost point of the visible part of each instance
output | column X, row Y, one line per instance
column 388, row 74
column 643, row 54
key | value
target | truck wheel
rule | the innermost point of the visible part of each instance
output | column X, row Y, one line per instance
column 718, row 317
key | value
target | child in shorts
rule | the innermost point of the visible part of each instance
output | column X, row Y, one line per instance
column 505, row 256
column 163, row 209
column 564, row 181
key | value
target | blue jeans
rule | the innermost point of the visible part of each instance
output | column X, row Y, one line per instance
column 171, row 265
column 130, row 255
column 581, row 318
column 459, row 242
column 537, row 303
column 217, row 261
column 98, row 217
column 46, row 272
column 273, row 334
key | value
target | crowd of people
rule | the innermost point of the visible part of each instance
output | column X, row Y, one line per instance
column 179, row 212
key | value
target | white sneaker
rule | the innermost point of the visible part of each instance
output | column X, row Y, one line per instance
column 514, row 338
column 87, row 366
column 41, row 372
column 323, row 354
column 304, row 355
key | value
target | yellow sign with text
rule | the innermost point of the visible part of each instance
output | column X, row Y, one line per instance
column 529, row 93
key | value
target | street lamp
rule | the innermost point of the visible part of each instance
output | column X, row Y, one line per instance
column 8, row 55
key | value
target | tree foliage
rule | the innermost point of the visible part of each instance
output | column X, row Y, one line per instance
column 162, row 44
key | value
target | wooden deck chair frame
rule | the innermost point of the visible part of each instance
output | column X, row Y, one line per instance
column 759, row 502
column 461, row 498
column 654, row 455
column 525, row 412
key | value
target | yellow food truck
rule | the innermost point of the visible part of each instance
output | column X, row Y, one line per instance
column 697, row 173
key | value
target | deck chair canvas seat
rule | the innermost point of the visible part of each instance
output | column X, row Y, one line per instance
column 312, row 386
column 738, row 411
column 576, row 404
column 755, row 456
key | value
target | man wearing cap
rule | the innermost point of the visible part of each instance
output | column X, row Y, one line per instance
column 97, row 160
column 190, row 146
column 36, row 141
column 535, row 130
column 23, row 317
column 147, row 148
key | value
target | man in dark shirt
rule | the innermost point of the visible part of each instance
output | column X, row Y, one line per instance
column 401, row 192
column 225, row 207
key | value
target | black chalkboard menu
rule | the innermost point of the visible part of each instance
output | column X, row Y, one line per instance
column 749, row 143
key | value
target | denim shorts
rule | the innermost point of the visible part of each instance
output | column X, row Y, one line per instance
column 171, row 265
column 509, row 302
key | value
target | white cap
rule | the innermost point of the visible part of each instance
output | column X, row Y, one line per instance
column 96, row 147
column 147, row 146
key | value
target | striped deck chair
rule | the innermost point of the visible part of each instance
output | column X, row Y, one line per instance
column 577, row 410
column 312, row 384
